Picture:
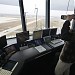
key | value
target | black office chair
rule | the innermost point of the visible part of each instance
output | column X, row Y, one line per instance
column 72, row 69
column 10, row 50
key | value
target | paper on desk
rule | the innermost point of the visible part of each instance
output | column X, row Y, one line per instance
column 56, row 41
column 40, row 48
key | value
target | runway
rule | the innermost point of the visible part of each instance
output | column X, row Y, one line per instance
column 12, row 29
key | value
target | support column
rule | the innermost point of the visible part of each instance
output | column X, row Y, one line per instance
column 47, row 19
column 22, row 15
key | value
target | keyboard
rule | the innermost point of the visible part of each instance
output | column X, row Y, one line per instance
column 50, row 45
column 56, row 41
column 5, row 72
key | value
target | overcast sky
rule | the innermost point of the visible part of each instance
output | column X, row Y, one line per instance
column 55, row 4
column 29, row 6
column 10, row 2
column 61, row 4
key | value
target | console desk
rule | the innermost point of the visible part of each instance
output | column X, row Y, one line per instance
column 30, row 54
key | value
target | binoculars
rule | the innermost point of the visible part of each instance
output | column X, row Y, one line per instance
column 65, row 16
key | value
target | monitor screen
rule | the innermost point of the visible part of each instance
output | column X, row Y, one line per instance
column 3, row 41
column 37, row 34
column 53, row 31
column 22, row 36
column 46, row 32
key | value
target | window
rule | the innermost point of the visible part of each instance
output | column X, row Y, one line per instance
column 10, row 21
column 34, row 11
column 58, row 8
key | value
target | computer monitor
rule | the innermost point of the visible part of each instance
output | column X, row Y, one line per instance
column 46, row 32
column 3, row 41
column 37, row 34
column 53, row 31
column 22, row 37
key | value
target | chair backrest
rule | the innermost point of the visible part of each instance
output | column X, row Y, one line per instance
column 22, row 37
column 10, row 50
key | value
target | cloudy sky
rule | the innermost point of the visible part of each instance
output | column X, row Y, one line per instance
column 29, row 6
column 55, row 4
column 10, row 2
column 62, row 4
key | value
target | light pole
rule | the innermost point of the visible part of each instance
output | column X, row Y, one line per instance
column 25, row 13
column 36, row 10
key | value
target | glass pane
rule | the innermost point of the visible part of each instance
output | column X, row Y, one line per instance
column 35, row 14
column 10, row 21
column 58, row 8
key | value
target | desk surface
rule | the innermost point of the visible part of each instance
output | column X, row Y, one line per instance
column 23, row 56
column 18, row 68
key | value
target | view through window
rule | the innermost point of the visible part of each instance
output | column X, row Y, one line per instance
column 10, row 19
column 34, row 11
column 58, row 8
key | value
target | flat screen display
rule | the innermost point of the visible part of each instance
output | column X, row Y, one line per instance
column 3, row 41
column 37, row 34
column 53, row 31
column 46, row 32
column 22, row 37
